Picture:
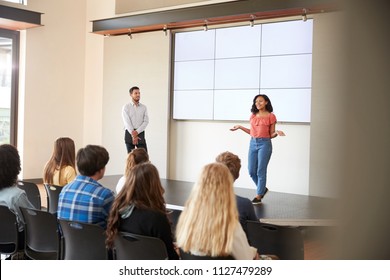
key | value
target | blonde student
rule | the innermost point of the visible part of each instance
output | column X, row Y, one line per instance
column 209, row 225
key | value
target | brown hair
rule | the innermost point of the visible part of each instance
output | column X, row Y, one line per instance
column 135, row 157
column 63, row 155
column 143, row 189
column 232, row 162
column 91, row 159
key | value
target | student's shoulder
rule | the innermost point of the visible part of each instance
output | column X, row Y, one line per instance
column 107, row 192
column 152, row 215
column 243, row 200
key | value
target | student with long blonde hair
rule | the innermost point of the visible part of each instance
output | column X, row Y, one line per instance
column 136, row 156
column 140, row 208
column 209, row 225
column 61, row 167
column 245, row 208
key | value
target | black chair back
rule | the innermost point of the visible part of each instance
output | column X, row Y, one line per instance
column 173, row 217
column 32, row 192
column 189, row 256
column 53, row 193
column 129, row 246
column 42, row 240
column 83, row 241
column 9, row 240
column 286, row 242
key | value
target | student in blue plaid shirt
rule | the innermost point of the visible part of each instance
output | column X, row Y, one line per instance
column 84, row 199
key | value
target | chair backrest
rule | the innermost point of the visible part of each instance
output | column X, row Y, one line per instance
column 83, row 241
column 32, row 192
column 9, row 231
column 189, row 256
column 129, row 246
column 173, row 217
column 53, row 193
column 286, row 242
column 42, row 237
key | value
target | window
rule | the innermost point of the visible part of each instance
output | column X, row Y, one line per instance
column 9, row 44
column 23, row 2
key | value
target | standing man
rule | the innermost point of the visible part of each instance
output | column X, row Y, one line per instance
column 135, row 118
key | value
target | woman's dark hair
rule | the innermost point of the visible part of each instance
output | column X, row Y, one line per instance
column 91, row 159
column 268, row 107
column 9, row 165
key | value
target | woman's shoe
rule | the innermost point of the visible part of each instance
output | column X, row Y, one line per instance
column 266, row 190
column 256, row 200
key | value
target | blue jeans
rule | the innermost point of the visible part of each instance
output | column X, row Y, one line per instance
column 260, row 150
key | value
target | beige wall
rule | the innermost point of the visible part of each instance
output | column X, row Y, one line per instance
column 141, row 61
column 328, row 105
column 194, row 144
column 89, row 76
column 61, row 83
column 52, row 83
column 93, row 87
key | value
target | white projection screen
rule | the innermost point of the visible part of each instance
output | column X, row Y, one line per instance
column 217, row 73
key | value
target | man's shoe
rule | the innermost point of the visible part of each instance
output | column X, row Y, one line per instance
column 266, row 190
column 256, row 200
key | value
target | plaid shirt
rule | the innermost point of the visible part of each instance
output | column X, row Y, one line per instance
column 85, row 200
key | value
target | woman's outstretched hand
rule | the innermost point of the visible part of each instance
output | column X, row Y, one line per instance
column 235, row 127
column 280, row 133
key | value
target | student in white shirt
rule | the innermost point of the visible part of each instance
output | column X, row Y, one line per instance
column 135, row 157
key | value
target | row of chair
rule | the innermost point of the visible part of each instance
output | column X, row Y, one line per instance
column 47, row 238
column 34, row 196
column 283, row 241
column 43, row 240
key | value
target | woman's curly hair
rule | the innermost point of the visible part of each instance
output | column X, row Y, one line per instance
column 9, row 165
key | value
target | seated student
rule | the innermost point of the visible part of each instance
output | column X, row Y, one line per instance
column 140, row 208
column 84, row 199
column 10, row 195
column 244, row 205
column 60, row 169
column 208, row 225
column 136, row 156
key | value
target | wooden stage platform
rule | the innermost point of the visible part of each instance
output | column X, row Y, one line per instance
column 276, row 208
